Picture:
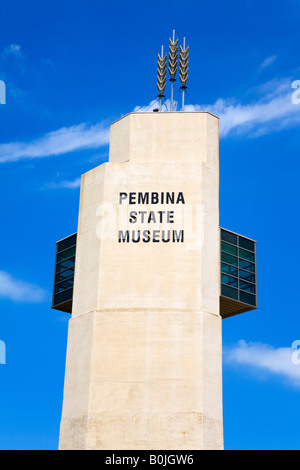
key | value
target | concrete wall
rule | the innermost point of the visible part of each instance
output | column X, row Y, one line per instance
column 144, row 357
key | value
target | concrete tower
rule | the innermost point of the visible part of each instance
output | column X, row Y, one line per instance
column 148, row 277
column 144, row 355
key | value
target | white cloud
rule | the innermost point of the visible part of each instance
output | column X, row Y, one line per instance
column 62, row 141
column 12, row 49
column 20, row 291
column 267, row 62
column 271, row 110
column 65, row 184
column 267, row 114
column 263, row 357
column 14, row 54
column 154, row 104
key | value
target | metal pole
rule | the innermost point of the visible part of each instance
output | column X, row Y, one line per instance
column 160, row 101
column 172, row 82
column 183, row 90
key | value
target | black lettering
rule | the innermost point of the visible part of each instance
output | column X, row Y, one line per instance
column 122, row 196
column 180, row 198
column 154, row 198
column 170, row 217
column 155, row 234
column 132, row 198
column 146, row 235
column 151, row 217
column 178, row 236
column 163, row 236
column 160, row 215
column 170, row 198
column 123, row 236
column 132, row 218
column 142, row 216
column 139, row 236
column 143, row 198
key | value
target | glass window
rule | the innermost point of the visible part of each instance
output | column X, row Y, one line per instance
column 66, row 254
column 247, row 298
column 238, row 280
column 229, row 292
column 64, row 285
column 229, row 237
column 230, row 281
column 227, row 269
column 229, row 248
column 246, row 243
column 246, row 276
column 66, row 243
column 229, row 259
column 246, row 254
column 246, row 286
column 62, row 297
column 68, row 263
column 246, row 265
column 64, row 275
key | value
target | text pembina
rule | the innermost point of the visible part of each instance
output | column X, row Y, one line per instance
column 164, row 236
column 152, row 198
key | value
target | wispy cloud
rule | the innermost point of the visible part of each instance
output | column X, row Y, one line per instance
column 61, row 141
column 272, row 112
column 271, row 109
column 65, row 184
column 20, row 291
column 267, row 62
column 154, row 104
column 12, row 50
column 266, row 358
column 14, row 54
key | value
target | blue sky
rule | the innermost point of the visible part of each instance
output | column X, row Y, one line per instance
column 70, row 69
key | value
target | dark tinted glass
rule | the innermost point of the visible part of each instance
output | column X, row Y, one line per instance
column 64, row 275
column 229, row 237
column 229, row 259
column 66, row 254
column 62, row 297
column 63, row 285
column 229, row 292
column 238, row 279
column 246, row 265
column 67, row 243
column 245, row 243
column 68, row 263
column 229, row 248
column 227, row 269
column 246, row 276
column 246, row 255
column 247, row 298
column 247, row 286
column 230, row 281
